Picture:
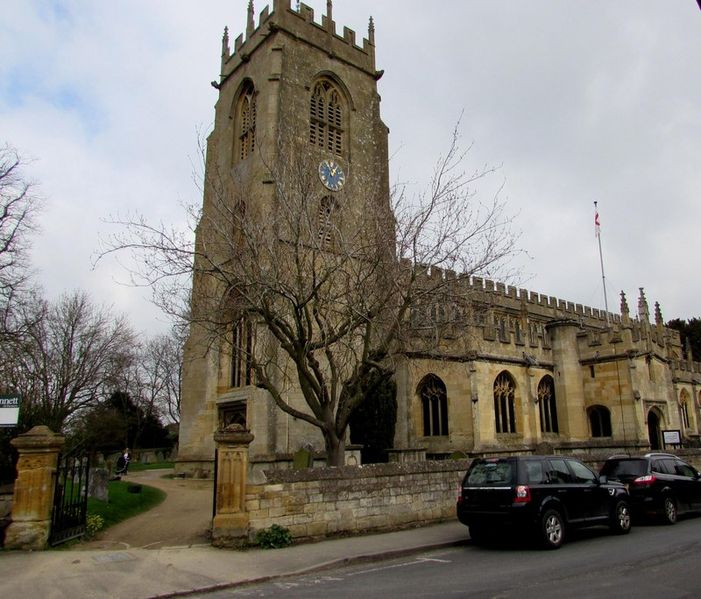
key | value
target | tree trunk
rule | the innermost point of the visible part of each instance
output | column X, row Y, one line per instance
column 335, row 449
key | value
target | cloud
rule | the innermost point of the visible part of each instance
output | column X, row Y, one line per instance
column 577, row 101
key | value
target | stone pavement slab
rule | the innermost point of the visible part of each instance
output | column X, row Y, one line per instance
column 165, row 552
column 173, row 571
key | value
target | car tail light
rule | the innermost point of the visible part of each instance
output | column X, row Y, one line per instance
column 645, row 481
column 523, row 494
column 460, row 496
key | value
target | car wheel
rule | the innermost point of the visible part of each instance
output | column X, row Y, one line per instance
column 669, row 510
column 552, row 529
column 478, row 534
column 620, row 519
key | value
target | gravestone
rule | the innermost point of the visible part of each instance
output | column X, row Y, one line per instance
column 97, row 484
column 302, row 459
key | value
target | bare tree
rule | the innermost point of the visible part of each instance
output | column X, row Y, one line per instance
column 162, row 367
column 69, row 356
column 333, row 292
column 18, row 206
column 146, row 393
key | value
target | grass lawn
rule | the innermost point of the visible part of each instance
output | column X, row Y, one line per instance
column 122, row 504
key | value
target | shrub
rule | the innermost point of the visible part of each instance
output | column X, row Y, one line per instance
column 94, row 524
column 274, row 537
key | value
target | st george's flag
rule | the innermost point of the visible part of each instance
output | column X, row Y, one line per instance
column 597, row 224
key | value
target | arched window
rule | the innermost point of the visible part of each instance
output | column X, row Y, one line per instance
column 246, row 121
column 684, row 408
column 242, row 353
column 548, row 406
column 326, row 117
column 600, row 421
column 434, row 403
column 325, row 224
column 504, row 408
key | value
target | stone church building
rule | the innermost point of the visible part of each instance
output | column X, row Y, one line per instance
column 540, row 373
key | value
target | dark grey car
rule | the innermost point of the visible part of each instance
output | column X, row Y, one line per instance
column 660, row 484
column 539, row 496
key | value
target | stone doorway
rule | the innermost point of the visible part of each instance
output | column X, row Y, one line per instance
column 653, row 429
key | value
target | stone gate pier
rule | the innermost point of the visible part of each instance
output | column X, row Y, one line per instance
column 34, row 488
column 230, row 522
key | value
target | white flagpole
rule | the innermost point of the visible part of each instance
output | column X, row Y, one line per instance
column 597, row 229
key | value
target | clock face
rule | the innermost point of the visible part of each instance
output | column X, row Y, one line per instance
column 331, row 175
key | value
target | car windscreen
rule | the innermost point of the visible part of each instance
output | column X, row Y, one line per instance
column 615, row 468
column 491, row 473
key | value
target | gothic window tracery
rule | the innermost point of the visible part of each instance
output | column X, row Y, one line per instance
column 434, row 404
column 242, row 353
column 326, row 117
column 246, row 121
column 504, row 403
column 548, row 405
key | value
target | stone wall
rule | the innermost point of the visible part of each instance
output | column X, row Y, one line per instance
column 315, row 503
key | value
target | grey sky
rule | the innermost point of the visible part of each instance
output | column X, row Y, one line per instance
column 577, row 100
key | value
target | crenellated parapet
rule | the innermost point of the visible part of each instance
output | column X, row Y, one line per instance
column 300, row 24
column 515, row 299
column 507, row 296
column 513, row 316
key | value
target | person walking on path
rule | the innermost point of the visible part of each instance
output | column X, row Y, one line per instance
column 123, row 463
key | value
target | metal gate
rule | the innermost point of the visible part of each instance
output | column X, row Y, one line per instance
column 70, row 509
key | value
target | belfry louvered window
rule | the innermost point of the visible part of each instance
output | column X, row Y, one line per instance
column 326, row 118
column 247, row 122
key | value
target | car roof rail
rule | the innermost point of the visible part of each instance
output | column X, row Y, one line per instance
column 659, row 454
column 618, row 456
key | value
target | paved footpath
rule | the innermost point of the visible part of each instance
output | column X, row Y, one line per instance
column 182, row 519
column 133, row 560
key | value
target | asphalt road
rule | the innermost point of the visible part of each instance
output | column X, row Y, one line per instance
column 653, row 561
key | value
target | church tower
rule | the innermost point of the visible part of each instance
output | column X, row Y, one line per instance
column 294, row 95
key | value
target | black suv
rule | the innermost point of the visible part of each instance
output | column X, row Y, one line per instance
column 659, row 484
column 539, row 495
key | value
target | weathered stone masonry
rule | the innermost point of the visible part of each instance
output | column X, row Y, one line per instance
column 320, row 502
column 520, row 370
column 315, row 503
